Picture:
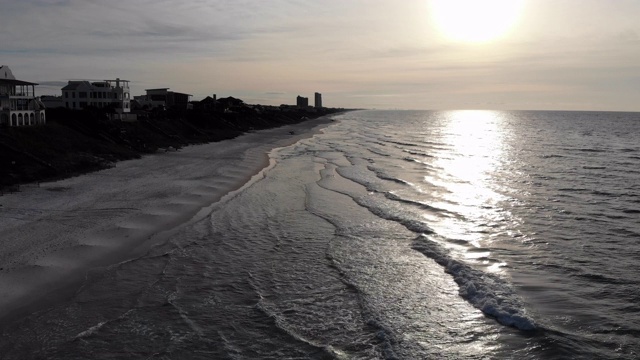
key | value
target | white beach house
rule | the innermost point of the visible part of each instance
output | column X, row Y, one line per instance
column 112, row 94
column 19, row 105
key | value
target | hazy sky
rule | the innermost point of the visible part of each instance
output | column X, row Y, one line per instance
column 559, row 54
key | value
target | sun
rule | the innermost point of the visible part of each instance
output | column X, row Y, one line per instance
column 475, row 21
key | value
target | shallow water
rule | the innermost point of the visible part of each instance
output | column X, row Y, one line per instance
column 462, row 234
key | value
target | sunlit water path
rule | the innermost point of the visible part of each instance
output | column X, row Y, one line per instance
column 461, row 235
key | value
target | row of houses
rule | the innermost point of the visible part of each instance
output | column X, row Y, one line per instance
column 19, row 105
column 113, row 94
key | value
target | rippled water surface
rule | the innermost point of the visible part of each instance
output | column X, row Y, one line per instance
column 411, row 235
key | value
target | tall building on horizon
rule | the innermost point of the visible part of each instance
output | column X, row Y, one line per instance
column 318, row 100
column 302, row 102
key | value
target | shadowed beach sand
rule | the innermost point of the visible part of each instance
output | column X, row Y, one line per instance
column 52, row 234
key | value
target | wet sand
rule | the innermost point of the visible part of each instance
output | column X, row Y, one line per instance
column 52, row 234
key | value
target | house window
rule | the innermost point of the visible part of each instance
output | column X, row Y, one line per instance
column 83, row 95
column 66, row 95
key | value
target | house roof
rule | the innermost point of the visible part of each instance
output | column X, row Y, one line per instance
column 73, row 85
column 15, row 82
column 231, row 100
column 179, row 93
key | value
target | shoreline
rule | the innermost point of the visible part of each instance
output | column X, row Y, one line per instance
column 78, row 142
column 56, row 233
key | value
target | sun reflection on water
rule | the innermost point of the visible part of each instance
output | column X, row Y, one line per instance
column 475, row 141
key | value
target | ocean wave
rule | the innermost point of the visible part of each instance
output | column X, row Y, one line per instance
column 413, row 160
column 383, row 335
column 631, row 211
column 418, row 153
column 378, row 152
column 90, row 331
column 590, row 150
column 414, row 225
column 383, row 176
column 486, row 292
column 279, row 324
column 603, row 193
column 573, row 189
column 401, row 143
column 421, row 205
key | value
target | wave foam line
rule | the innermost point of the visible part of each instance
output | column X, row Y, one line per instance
column 486, row 292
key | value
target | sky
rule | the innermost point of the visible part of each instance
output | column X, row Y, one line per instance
column 383, row 54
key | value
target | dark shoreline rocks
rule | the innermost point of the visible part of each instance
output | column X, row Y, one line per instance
column 81, row 141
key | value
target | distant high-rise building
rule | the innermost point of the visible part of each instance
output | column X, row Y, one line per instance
column 318, row 100
column 302, row 102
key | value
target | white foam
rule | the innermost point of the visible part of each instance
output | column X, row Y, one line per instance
column 487, row 292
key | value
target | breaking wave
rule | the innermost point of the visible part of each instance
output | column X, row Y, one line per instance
column 487, row 292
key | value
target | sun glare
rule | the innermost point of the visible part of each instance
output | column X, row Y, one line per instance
column 475, row 21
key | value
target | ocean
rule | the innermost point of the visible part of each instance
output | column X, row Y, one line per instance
column 389, row 235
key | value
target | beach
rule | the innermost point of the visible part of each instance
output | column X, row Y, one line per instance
column 52, row 233
column 386, row 235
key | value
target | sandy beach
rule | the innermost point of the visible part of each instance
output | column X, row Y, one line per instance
column 52, row 234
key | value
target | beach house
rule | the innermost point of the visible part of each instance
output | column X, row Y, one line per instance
column 112, row 94
column 164, row 98
column 19, row 105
